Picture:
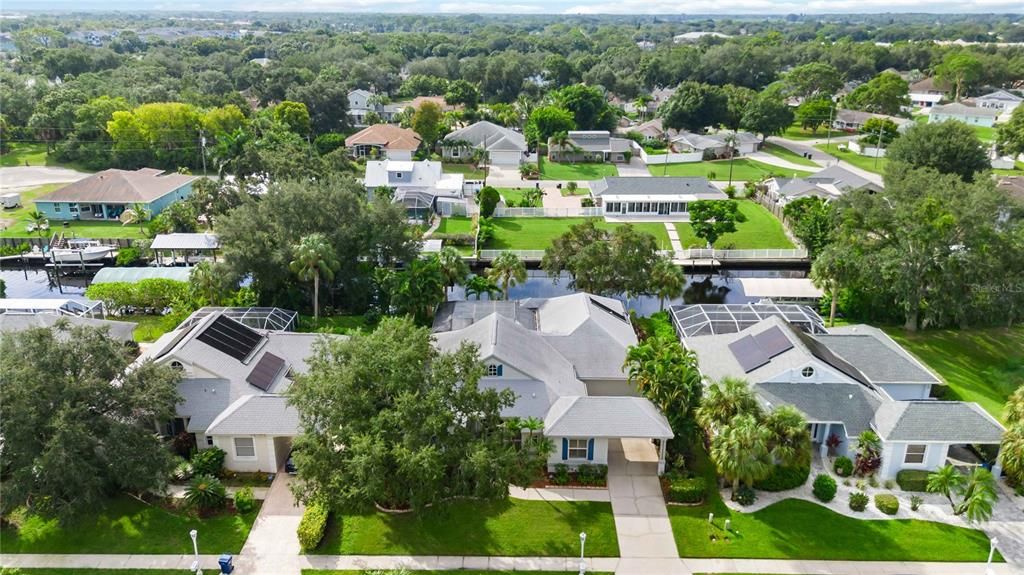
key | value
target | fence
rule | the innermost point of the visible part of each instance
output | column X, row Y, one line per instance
column 594, row 212
column 865, row 150
column 525, row 255
column 670, row 158
column 732, row 255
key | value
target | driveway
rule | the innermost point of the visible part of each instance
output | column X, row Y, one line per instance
column 21, row 178
column 273, row 545
column 636, row 168
column 641, row 517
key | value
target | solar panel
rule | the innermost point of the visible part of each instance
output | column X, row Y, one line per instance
column 773, row 342
column 266, row 371
column 749, row 355
column 230, row 337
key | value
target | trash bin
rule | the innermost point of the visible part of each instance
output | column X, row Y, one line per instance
column 225, row 563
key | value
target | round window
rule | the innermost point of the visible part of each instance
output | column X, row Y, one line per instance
column 176, row 365
column 807, row 372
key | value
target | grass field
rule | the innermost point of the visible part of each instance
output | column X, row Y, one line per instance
column 14, row 221
column 743, row 169
column 795, row 132
column 580, row 171
column 513, row 196
column 761, row 231
column 862, row 162
column 459, row 572
column 33, row 155
column 470, row 171
column 538, row 233
column 150, row 327
column 455, row 225
column 125, row 525
column 507, row 528
column 338, row 324
column 982, row 365
column 788, row 155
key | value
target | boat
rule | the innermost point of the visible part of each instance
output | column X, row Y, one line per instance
column 77, row 251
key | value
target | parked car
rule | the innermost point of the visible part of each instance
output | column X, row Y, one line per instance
column 289, row 464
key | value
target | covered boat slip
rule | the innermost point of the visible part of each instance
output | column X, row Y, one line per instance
column 185, row 249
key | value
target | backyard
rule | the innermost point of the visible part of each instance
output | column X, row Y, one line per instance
column 762, row 230
column 982, row 365
column 743, row 169
column 13, row 222
column 150, row 327
column 124, row 525
column 455, row 225
column 784, row 153
column 862, row 162
column 505, row 528
column 579, row 171
column 539, row 233
column 795, row 132
column 470, row 171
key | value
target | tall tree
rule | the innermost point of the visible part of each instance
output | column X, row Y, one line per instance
column 815, row 113
column 481, row 285
column 711, row 219
column 813, row 80
column 71, row 437
column 831, row 271
column 767, row 115
column 417, row 289
column 453, row 267
column 694, row 106
column 789, row 436
column 886, row 93
column 666, row 373
column 1011, row 134
column 588, row 106
column 426, row 122
column 667, row 280
column 546, row 121
column 602, row 261
column 961, row 70
column 812, row 220
column 314, row 258
column 507, row 270
column 740, row 451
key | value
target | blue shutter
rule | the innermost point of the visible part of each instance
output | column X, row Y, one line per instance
column 590, row 449
column 565, row 449
column 499, row 369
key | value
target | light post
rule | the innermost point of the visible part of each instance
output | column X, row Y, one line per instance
column 195, row 549
column 583, row 563
column 991, row 552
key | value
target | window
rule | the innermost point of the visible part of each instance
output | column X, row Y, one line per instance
column 807, row 372
column 494, row 370
column 915, row 454
column 455, row 152
column 56, row 207
column 177, row 366
column 209, row 441
column 398, row 175
column 245, row 448
column 74, row 209
column 577, row 449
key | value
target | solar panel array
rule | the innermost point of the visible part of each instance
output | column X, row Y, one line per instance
column 266, row 371
column 773, row 342
column 753, row 351
column 230, row 337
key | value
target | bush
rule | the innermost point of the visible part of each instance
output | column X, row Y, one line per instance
column 561, row 476
column 127, row 256
column 182, row 471
column 313, row 525
column 873, row 481
column 783, row 478
column 887, row 503
column 858, row 501
column 587, row 202
column 746, row 496
column 245, row 501
column 327, row 143
column 912, row 480
column 915, row 502
column 205, row 492
column 588, row 474
column 208, row 461
column 455, row 239
column 686, row 489
column 489, row 198
column 843, row 466
column 824, row 487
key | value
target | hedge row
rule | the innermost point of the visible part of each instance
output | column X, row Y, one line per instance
column 912, row 480
column 313, row 525
column 783, row 478
column 686, row 489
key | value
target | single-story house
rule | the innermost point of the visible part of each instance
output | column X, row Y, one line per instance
column 717, row 144
column 969, row 115
column 999, row 100
column 562, row 357
column 827, row 184
column 504, row 146
column 845, row 381
column 106, row 195
column 591, row 146
column 233, row 380
column 14, row 322
column 854, row 120
column 927, row 92
column 383, row 141
column 624, row 197
column 651, row 129
column 422, row 186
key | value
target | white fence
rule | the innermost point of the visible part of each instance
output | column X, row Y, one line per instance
column 865, row 150
column 723, row 255
column 670, row 158
column 594, row 212
column 525, row 255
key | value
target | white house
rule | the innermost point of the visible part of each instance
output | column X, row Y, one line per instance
column 625, row 198
column 718, row 143
column 969, row 115
column 854, row 120
column 999, row 100
column 926, row 93
column 504, row 146
column 827, row 184
column 422, row 186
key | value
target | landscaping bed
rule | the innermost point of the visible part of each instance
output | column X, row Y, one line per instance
column 583, row 477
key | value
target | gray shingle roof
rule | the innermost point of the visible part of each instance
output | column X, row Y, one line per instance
column 257, row 415
column 838, row 177
column 13, row 322
column 873, row 356
column 852, row 404
column 606, row 417
column 625, row 185
column 957, row 109
column 946, row 421
column 491, row 135
column 120, row 186
column 591, row 141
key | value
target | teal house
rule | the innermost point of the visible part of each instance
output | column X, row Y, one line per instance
column 106, row 195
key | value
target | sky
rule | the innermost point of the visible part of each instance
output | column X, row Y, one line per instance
column 625, row 7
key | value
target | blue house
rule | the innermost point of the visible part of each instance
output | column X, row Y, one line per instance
column 107, row 194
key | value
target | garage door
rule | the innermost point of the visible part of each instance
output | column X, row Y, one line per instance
column 506, row 158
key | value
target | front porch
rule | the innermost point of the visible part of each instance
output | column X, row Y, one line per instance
column 99, row 212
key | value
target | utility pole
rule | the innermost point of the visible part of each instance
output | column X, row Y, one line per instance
column 202, row 147
column 878, row 145
column 828, row 131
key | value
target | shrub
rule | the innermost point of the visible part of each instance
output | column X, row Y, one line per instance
column 873, row 481
column 888, row 484
column 454, row 239
column 686, row 489
column 858, row 501
column 182, row 471
column 783, row 478
column 489, row 198
column 730, row 191
column 745, row 496
column 312, row 526
column 127, row 256
column 205, row 492
column 561, row 476
column 824, row 487
column 843, row 466
column 887, row 503
column 208, row 461
column 588, row 474
column 245, row 501
column 587, row 202
column 915, row 502
column 912, row 480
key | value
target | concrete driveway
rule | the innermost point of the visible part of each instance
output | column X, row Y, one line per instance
column 273, row 545
column 636, row 168
column 23, row 178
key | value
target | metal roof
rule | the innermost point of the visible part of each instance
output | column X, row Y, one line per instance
column 269, row 318
column 713, row 319
column 779, row 288
column 183, row 241
column 132, row 275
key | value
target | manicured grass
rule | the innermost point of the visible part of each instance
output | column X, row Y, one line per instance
column 578, row 171
column 762, row 230
column 507, row 528
column 455, row 225
column 125, row 525
column 458, row 572
column 986, row 134
column 470, row 171
column 34, row 155
column 743, row 169
column 538, row 233
column 580, row 191
column 150, row 327
column 795, row 132
column 1017, row 171
column 982, row 365
column 14, row 221
column 862, row 162
column 788, row 155
column 513, row 195
column 339, row 324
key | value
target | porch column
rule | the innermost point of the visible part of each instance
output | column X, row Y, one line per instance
column 997, row 467
column 661, row 456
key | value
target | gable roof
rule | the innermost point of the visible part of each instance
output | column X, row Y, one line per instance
column 839, row 177
column 880, row 359
column 120, row 186
column 489, row 136
column 389, row 136
column 257, row 415
column 853, row 405
column 928, row 85
column 930, row 420
column 606, row 416
column 957, row 109
column 13, row 322
column 860, row 117
column 1001, row 95
column 688, row 188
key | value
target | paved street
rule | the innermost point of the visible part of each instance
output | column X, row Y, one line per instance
column 23, row 178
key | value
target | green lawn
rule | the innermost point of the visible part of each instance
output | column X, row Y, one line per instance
column 127, row 526
column 469, row 170
column 1018, row 171
column 150, row 327
column 34, row 155
column 72, row 571
column 762, row 230
column 743, row 169
column 538, row 233
column 795, row 132
column 455, row 225
column 986, row 134
column 339, row 324
column 982, row 365
column 507, row 528
column 14, row 221
column 580, row 171
column 788, row 155
column 512, row 195
column 862, row 162
column 458, row 572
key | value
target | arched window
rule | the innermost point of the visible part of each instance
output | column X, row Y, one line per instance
column 807, row 372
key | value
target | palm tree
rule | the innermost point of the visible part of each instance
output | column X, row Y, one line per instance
column 668, row 281
column 790, row 442
column 507, row 270
column 562, row 141
column 205, row 281
column 421, row 288
column 138, row 214
column 1011, row 451
column 481, row 285
column 37, row 219
column 666, row 373
column 453, row 267
column 1014, row 409
column 314, row 257
column 947, row 481
column 978, row 495
column 725, row 400
column 740, row 451
column 829, row 272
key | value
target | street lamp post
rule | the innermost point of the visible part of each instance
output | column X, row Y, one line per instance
column 991, row 552
column 195, row 549
column 583, row 563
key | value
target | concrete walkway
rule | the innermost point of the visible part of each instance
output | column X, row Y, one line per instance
column 766, row 158
column 636, row 168
column 559, row 494
column 273, row 544
column 641, row 517
column 673, row 237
